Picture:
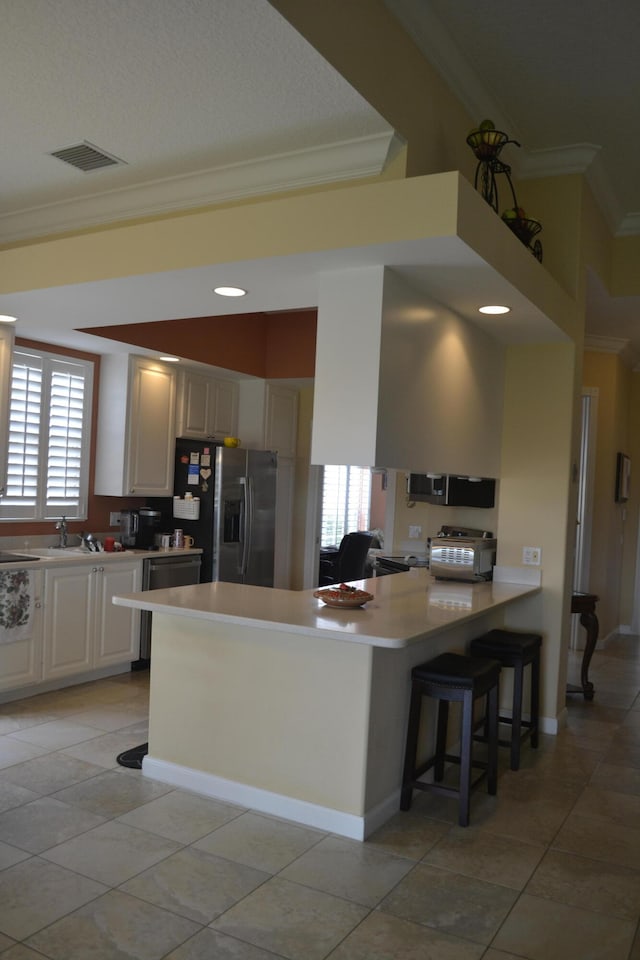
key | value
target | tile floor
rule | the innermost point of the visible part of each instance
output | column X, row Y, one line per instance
column 100, row 863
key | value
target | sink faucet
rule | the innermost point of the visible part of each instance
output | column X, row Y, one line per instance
column 61, row 526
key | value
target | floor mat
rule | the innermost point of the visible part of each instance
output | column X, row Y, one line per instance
column 133, row 758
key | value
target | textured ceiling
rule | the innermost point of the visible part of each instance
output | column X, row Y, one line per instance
column 192, row 94
column 171, row 87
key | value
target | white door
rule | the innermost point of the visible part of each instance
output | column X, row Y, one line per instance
column 584, row 508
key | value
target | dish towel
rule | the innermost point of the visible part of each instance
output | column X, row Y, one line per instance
column 16, row 605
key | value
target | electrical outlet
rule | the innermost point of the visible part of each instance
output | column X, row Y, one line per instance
column 532, row 555
column 415, row 533
column 114, row 519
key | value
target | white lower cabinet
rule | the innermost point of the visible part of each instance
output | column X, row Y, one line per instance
column 21, row 660
column 83, row 630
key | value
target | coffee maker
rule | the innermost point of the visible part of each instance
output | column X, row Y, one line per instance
column 138, row 527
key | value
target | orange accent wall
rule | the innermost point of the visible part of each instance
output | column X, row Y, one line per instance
column 269, row 345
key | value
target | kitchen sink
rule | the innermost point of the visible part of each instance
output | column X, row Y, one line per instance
column 44, row 553
column 16, row 557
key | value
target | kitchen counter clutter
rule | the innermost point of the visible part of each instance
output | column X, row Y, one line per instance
column 269, row 699
column 41, row 557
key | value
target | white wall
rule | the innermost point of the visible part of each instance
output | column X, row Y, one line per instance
column 401, row 382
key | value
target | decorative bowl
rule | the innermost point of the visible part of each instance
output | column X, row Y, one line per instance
column 334, row 597
column 231, row 442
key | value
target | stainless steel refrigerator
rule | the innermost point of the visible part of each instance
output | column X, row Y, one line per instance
column 237, row 501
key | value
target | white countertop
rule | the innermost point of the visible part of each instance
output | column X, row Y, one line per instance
column 406, row 607
column 52, row 556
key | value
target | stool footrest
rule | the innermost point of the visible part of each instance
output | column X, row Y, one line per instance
column 444, row 788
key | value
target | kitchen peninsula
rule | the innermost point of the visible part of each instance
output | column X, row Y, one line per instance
column 271, row 700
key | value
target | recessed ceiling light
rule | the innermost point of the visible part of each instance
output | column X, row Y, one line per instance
column 494, row 308
column 230, row 291
column 171, row 359
column 7, row 319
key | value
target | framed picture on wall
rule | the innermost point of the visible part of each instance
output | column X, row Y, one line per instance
column 623, row 477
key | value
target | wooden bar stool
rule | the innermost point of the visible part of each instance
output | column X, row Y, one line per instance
column 515, row 649
column 448, row 678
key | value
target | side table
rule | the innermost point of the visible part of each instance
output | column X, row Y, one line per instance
column 585, row 605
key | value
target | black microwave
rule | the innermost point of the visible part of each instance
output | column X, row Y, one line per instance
column 451, row 490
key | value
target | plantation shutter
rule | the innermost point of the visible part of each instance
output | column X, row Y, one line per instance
column 65, row 436
column 346, row 496
column 24, row 434
column 49, row 424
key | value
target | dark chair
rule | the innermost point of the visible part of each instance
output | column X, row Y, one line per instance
column 448, row 678
column 350, row 560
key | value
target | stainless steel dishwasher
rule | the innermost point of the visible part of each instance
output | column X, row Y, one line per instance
column 158, row 573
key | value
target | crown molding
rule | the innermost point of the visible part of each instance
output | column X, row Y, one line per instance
column 439, row 47
column 629, row 226
column 605, row 344
column 558, row 161
column 583, row 158
column 329, row 163
column 618, row 346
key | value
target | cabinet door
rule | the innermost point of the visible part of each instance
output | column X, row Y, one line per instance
column 117, row 638
column 151, row 444
column 21, row 660
column 195, row 393
column 69, row 613
column 281, row 420
column 223, row 410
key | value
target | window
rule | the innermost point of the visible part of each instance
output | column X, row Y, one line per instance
column 49, row 430
column 346, row 496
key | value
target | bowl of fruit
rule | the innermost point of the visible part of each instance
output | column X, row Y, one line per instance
column 485, row 141
column 343, row 596
column 523, row 226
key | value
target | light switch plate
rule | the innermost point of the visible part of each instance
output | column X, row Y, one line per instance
column 415, row 532
column 114, row 519
column 532, row 555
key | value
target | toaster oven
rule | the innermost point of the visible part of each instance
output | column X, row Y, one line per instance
column 462, row 553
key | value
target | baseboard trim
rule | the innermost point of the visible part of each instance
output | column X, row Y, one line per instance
column 59, row 683
column 300, row 811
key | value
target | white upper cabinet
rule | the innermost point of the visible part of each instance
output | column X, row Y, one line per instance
column 136, row 427
column 268, row 417
column 6, row 354
column 207, row 406
column 281, row 420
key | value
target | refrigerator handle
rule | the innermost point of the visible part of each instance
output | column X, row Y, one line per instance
column 246, row 524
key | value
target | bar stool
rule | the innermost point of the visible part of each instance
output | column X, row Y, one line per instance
column 447, row 678
column 515, row 649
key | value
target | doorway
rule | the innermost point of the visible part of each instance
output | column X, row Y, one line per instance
column 584, row 506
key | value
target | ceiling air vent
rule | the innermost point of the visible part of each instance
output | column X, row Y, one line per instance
column 84, row 156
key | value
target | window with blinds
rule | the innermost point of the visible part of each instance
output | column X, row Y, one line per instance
column 49, row 431
column 346, row 501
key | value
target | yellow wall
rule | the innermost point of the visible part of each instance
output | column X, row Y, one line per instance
column 610, row 578
column 535, row 496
